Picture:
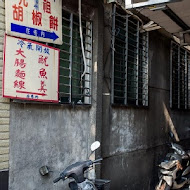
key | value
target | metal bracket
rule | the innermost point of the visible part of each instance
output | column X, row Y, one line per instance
column 184, row 38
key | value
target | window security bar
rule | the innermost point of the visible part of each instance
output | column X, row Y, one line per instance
column 179, row 77
column 129, row 60
column 71, row 88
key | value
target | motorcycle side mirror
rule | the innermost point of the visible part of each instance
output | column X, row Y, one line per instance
column 171, row 137
column 95, row 146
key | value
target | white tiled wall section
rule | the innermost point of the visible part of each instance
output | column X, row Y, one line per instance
column 4, row 103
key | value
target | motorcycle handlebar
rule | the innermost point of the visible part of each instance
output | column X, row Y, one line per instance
column 76, row 168
column 98, row 160
column 57, row 179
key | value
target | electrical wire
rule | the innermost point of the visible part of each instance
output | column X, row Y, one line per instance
column 82, row 44
column 129, row 13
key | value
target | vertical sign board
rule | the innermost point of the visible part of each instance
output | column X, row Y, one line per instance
column 31, row 70
column 39, row 20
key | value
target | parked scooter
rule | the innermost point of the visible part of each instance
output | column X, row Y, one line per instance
column 174, row 172
column 76, row 171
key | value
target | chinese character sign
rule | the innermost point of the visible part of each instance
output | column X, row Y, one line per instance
column 40, row 20
column 31, row 70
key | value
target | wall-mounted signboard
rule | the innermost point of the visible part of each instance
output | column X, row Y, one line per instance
column 40, row 20
column 31, row 70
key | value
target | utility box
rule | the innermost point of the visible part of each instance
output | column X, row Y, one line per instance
column 144, row 3
column 141, row 3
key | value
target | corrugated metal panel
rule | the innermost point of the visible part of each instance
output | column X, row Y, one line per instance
column 181, row 9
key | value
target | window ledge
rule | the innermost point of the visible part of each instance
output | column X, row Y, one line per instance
column 180, row 109
column 129, row 106
column 64, row 105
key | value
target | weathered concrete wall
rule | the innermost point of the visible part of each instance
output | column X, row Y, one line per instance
column 54, row 135
column 4, row 104
column 47, row 135
column 134, row 139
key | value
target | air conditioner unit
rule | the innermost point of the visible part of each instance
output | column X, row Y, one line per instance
column 146, row 3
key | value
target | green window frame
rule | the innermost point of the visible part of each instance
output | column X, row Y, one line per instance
column 72, row 89
column 179, row 77
column 129, row 60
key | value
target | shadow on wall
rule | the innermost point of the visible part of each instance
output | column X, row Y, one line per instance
column 169, row 122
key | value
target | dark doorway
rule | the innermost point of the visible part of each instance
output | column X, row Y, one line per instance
column 4, row 180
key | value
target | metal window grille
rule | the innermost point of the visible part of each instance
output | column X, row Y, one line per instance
column 188, row 80
column 180, row 77
column 71, row 88
column 129, row 60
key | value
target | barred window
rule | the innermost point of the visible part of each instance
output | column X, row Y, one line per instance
column 71, row 88
column 180, row 77
column 129, row 60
